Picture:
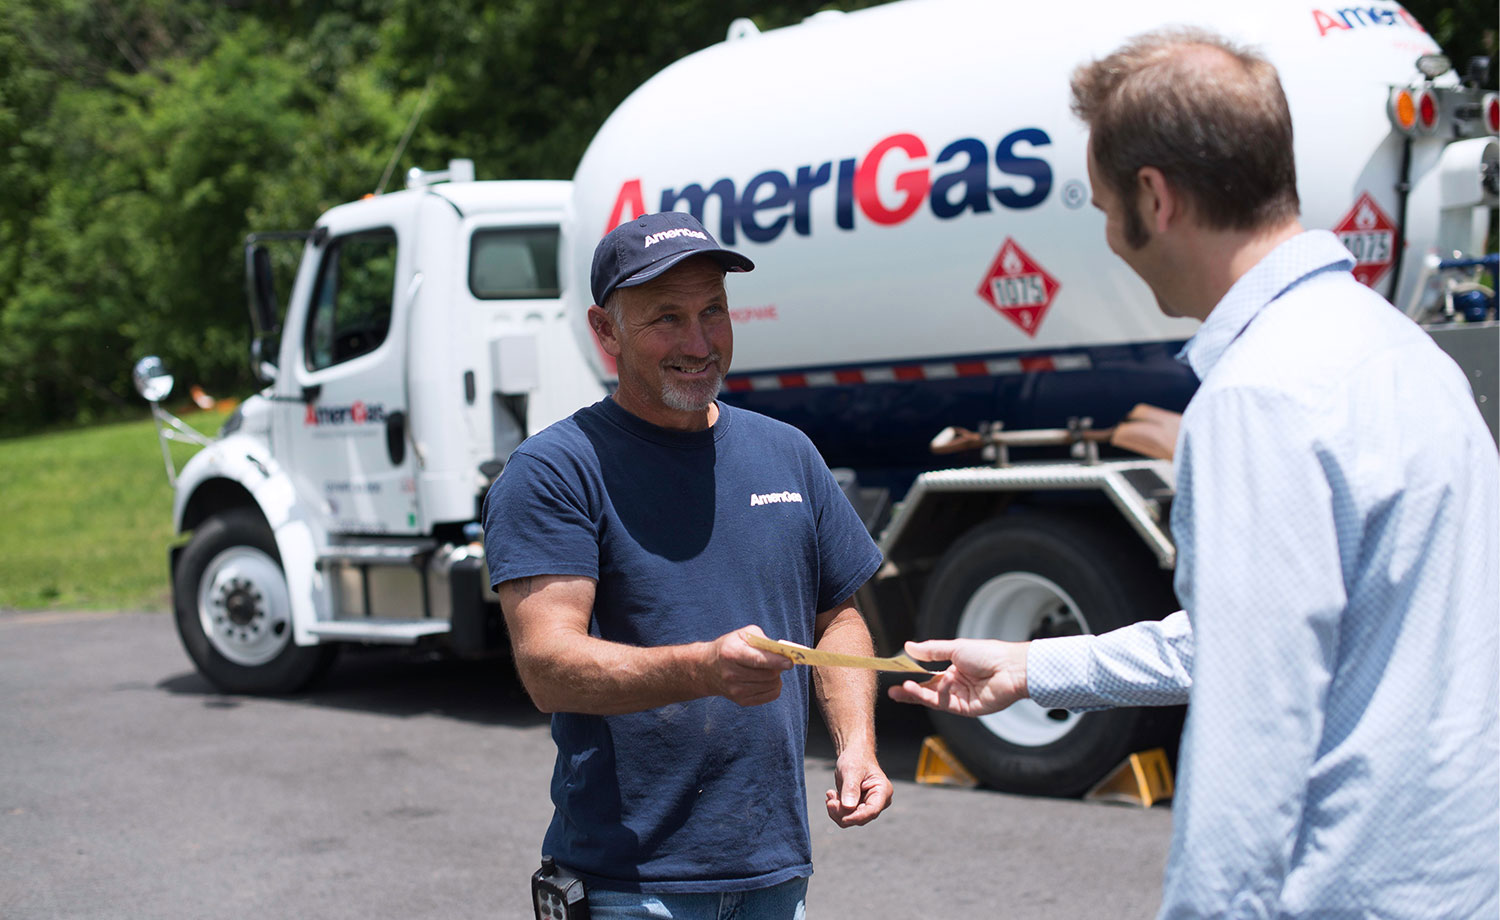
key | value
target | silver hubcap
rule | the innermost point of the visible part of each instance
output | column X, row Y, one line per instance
column 244, row 606
column 1016, row 607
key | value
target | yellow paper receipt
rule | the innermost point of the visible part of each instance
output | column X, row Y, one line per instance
column 801, row 654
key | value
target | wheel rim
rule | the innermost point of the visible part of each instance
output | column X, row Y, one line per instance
column 244, row 606
column 1018, row 607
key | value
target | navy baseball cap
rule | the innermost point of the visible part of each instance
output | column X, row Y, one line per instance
column 639, row 250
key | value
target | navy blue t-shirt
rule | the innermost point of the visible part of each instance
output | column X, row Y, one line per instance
column 689, row 535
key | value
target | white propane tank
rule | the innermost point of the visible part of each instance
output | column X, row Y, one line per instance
column 911, row 185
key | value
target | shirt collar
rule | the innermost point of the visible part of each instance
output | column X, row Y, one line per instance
column 1307, row 254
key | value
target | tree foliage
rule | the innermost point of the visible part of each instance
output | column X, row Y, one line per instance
column 141, row 140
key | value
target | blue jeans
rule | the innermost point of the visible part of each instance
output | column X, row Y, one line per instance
column 786, row 901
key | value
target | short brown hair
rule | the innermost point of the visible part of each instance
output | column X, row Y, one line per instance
column 1209, row 114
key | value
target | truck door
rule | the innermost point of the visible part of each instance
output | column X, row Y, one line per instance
column 347, row 440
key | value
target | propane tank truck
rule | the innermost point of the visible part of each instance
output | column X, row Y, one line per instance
column 912, row 187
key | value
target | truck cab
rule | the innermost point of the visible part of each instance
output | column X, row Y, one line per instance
column 422, row 342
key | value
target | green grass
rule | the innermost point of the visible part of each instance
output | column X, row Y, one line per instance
column 86, row 517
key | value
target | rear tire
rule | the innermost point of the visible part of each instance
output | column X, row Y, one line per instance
column 233, row 609
column 1036, row 576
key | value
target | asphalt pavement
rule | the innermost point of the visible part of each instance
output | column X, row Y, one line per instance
column 410, row 787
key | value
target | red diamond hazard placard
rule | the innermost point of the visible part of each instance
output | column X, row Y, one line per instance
column 1367, row 232
column 1019, row 288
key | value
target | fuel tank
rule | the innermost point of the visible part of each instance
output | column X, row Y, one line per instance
column 912, row 187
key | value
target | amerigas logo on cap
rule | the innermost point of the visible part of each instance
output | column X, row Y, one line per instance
column 673, row 234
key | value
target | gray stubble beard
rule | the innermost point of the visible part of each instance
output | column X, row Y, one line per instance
column 694, row 397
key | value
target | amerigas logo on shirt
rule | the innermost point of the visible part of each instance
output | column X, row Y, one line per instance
column 773, row 498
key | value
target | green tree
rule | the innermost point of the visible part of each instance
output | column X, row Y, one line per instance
column 137, row 175
column 150, row 179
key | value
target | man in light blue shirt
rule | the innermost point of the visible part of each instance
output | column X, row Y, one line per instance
column 1337, row 523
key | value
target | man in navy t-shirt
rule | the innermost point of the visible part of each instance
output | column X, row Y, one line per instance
column 634, row 545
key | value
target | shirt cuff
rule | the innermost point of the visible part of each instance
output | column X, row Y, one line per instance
column 1057, row 674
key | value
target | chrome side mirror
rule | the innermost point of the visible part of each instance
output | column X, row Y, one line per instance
column 154, row 383
column 151, row 379
column 264, row 370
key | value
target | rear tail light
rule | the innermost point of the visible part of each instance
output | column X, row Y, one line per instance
column 1491, row 107
column 1415, row 111
column 1403, row 110
column 1427, row 111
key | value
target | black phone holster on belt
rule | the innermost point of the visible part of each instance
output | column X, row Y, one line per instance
column 557, row 894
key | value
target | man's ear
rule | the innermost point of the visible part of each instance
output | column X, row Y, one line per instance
column 1159, row 203
column 604, row 331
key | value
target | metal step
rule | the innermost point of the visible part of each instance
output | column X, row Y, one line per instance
column 388, row 632
column 376, row 554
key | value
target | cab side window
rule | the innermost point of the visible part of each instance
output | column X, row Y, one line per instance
column 351, row 311
column 514, row 263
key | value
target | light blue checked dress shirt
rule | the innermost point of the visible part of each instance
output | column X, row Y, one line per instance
column 1337, row 523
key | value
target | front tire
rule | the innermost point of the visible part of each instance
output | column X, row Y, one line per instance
column 1039, row 576
column 233, row 609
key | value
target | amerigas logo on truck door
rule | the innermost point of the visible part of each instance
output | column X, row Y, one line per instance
column 1370, row 235
column 359, row 413
column 1019, row 288
column 771, row 201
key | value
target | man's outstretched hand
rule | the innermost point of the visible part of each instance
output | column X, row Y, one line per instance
column 742, row 673
column 984, row 676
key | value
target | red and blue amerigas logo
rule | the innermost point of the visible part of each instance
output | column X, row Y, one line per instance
column 771, row 201
column 1350, row 18
column 357, row 413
